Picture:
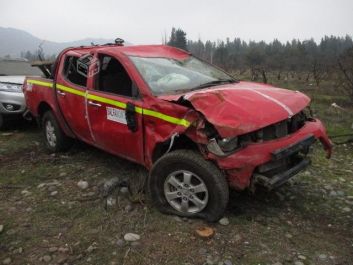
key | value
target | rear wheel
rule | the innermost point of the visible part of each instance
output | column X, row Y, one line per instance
column 185, row 184
column 55, row 138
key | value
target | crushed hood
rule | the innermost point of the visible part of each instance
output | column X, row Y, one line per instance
column 244, row 107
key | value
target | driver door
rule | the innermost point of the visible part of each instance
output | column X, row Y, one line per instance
column 111, row 107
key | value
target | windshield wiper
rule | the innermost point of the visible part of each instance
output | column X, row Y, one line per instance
column 214, row 83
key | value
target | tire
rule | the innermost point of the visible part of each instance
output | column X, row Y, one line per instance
column 55, row 139
column 208, row 185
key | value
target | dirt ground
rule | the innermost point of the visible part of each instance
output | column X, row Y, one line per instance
column 45, row 218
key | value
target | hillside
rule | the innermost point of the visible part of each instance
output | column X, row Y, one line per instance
column 14, row 41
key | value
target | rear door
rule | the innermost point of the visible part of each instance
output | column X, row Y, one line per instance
column 113, row 107
column 71, row 90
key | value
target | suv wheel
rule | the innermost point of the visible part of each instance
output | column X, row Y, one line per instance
column 185, row 184
column 55, row 139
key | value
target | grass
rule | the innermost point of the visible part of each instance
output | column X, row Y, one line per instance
column 308, row 216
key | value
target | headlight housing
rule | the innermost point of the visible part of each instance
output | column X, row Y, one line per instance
column 228, row 144
column 9, row 87
column 223, row 147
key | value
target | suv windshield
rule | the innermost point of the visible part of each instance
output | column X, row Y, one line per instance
column 168, row 76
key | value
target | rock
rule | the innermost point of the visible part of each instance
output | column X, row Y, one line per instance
column 120, row 242
column 111, row 201
column 322, row 256
column 237, row 238
column 277, row 263
column 298, row 263
column 333, row 193
column 124, row 190
column 1, row 228
column 288, row 235
column 203, row 251
column 205, row 232
column 91, row 249
column 128, row 208
column 54, row 193
column 224, row 221
column 18, row 251
column 41, row 185
column 227, row 262
column 46, row 258
column 6, row 261
column 131, row 237
column 346, row 209
column 302, row 257
column 62, row 174
column 53, row 249
column 82, row 184
column 108, row 187
column 340, row 193
column 63, row 250
column 26, row 192
column 11, row 232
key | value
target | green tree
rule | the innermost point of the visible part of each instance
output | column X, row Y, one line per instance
column 178, row 39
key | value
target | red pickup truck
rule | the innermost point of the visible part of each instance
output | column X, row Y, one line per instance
column 197, row 129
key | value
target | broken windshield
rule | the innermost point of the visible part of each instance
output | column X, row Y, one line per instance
column 168, row 76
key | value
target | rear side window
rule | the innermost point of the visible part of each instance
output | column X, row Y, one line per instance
column 74, row 72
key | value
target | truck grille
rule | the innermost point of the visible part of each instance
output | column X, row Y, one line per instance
column 275, row 131
column 283, row 128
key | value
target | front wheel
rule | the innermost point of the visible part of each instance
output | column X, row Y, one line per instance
column 55, row 138
column 185, row 184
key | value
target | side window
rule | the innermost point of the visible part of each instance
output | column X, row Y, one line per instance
column 71, row 72
column 113, row 78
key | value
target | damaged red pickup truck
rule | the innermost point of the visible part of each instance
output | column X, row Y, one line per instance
column 197, row 129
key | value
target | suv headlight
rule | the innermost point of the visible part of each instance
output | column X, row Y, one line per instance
column 223, row 147
column 8, row 87
column 228, row 144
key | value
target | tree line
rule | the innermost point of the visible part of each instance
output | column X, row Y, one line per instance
column 330, row 58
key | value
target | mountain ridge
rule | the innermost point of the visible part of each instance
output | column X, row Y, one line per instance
column 14, row 41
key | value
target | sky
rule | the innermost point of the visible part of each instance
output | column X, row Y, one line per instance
column 146, row 22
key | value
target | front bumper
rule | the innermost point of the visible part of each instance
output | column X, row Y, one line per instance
column 17, row 100
column 244, row 166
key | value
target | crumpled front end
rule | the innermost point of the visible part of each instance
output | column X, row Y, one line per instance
column 271, row 163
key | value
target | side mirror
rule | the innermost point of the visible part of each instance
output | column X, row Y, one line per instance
column 130, row 115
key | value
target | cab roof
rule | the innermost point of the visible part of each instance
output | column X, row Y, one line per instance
column 135, row 50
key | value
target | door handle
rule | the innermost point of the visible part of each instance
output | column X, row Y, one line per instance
column 63, row 94
column 94, row 104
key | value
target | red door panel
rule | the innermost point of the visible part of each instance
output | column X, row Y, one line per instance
column 72, row 102
column 109, row 125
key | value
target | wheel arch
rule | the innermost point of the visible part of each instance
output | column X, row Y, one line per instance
column 43, row 107
column 173, row 143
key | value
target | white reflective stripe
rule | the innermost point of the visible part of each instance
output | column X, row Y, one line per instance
column 285, row 107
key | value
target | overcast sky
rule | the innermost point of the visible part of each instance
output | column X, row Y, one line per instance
column 144, row 22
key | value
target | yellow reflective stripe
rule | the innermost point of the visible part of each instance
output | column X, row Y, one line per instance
column 112, row 102
column 40, row 83
column 107, row 101
column 71, row 90
column 139, row 110
column 167, row 118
